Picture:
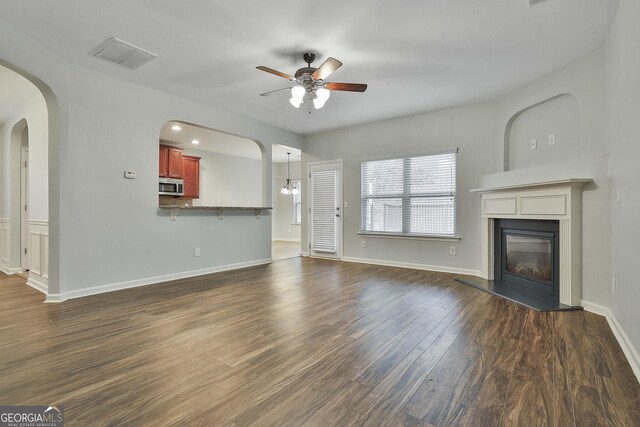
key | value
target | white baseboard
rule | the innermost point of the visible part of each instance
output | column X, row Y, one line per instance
column 304, row 254
column 152, row 280
column 37, row 285
column 627, row 347
column 595, row 308
column 9, row 270
column 414, row 266
column 285, row 239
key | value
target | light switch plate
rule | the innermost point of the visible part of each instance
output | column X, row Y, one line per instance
column 552, row 139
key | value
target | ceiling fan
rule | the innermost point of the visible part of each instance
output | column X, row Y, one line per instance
column 310, row 81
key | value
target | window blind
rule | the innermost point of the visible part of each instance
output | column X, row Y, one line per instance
column 323, row 210
column 415, row 195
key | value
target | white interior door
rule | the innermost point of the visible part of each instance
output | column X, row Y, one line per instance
column 325, row 209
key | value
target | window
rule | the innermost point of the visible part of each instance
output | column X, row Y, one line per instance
column 297, row 203
column 415, row 195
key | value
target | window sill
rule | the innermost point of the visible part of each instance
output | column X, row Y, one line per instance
column 296, row 223
column 435, row 238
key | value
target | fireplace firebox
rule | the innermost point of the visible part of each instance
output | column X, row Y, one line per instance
column 527, row 256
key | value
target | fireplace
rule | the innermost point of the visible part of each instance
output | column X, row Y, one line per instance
column 527, row 256
column 546, row 262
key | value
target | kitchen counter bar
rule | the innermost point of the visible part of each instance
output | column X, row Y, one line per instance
column 215, row 208
column 219, row 209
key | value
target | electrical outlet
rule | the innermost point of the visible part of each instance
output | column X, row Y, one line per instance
column 534, row 144
column 363, row 244
column 197, row 251
column 552, row 139
column 613, row 285
column 452, row 250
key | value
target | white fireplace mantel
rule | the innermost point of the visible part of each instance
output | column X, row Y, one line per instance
column 559, row 200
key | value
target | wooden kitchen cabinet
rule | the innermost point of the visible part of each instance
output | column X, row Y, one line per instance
column 191, row 170
column 170, row 162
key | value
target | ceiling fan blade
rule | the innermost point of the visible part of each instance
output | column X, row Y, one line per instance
column 327, row 67
column 273, row 91
column 275, row 72
column 349, row 87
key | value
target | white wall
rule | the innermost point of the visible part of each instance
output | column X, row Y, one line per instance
column 106, row 230
column 623, row 134
column 228, row 180
column 471, row 129
column 283, row 227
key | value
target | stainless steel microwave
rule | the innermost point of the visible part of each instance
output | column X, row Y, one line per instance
column 171, row 187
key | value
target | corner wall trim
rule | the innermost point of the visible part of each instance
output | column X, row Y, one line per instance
column 627, row 347
column 414, row 266
column 54, row 298
column 153, row 280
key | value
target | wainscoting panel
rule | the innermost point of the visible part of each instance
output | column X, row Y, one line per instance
column 35, row 258
column 4, row 241
column 45, row 256
column 39, row 255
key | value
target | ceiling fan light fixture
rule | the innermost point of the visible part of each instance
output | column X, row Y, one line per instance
column 297, row 93
column 311, row 81
column 322, row 95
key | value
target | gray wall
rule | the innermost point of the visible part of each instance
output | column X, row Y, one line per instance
column 471, row 129
column 583, row 153
column 560, row 117
column 623, row 133
column 106, row 230
column 482, row 132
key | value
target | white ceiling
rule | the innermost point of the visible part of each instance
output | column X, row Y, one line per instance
column 279, row 154
column 209, row 140
column 220, row 142
column 416, row 55
column 14, row 90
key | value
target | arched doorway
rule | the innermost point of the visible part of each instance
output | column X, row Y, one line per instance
column 24, row 206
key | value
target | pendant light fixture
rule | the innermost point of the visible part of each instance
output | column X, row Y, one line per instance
column 288, row 187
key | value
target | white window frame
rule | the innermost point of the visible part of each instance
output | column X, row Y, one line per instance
column 406, row 197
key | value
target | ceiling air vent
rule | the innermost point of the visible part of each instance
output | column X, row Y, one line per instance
column 123, row 53
column 535, row 2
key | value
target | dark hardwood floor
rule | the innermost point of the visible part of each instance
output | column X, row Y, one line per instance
column 311, row 342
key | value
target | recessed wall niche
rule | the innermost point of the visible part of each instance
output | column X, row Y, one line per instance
column 559, row 116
